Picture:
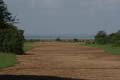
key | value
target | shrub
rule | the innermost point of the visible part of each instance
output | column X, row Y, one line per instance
column 111, row 38
column 114, row 39
column 75, row 40
column 117, row 44
column 89, row 42
column 101, row 37
column 58, row 39
column 11, row 40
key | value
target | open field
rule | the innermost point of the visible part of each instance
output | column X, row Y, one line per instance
column 66, row 60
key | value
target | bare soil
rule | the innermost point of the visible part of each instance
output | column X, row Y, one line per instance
column 67, row 60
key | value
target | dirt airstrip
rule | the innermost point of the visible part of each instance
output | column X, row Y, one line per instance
column 67, row 60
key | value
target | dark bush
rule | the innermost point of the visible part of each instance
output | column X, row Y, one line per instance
column 101, row 37
column 75, row 40
column 89, row 42
column 11, row 40
column 58, row 39
column 112, row 38
column 117, row 44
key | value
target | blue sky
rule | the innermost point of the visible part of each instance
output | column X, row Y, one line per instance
column 66, row 16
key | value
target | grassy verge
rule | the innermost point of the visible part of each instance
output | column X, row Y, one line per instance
column 27, row 45
column 9, row 59
column 108, row 48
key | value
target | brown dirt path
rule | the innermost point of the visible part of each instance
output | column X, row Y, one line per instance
column 67, row 60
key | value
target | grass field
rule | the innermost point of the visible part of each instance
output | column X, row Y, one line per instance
column 9, row 59
column 108, row 48
column 27, row 45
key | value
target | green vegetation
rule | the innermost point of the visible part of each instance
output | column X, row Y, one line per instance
column 11, row 38
column 75, row 40
column 108, row 48
column 103, row 39
column 58, row 39
column 5, row 16
column 7, row 60
column 108, row 42
column 27, row 45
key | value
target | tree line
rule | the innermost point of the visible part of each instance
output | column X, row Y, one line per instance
column 11, row 38
column 103, row 38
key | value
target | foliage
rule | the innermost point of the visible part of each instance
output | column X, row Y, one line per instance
column 111, row 38
column 58, row 39
column 101, row 37
column 117, row 39
column 5, row 16
column 114, row 39
column 75, row 40
column 111, row 42
column 11, row 40
column 90, row 42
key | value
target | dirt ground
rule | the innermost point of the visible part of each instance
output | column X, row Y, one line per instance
column 67, row 60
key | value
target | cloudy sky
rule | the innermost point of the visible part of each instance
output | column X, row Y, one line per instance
column 66, row 16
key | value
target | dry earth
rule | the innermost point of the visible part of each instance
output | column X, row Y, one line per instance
column 67, row 60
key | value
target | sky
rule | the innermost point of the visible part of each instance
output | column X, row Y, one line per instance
column 39, row 17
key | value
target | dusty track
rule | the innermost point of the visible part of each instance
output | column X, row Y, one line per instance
column 67, row 60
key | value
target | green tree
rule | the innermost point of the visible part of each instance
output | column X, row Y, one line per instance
column 75, row 40
column 111, row 38
column 117, row 39
column 5, row 15
column 58, row 39
column 101, row 37
column 11, row 38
